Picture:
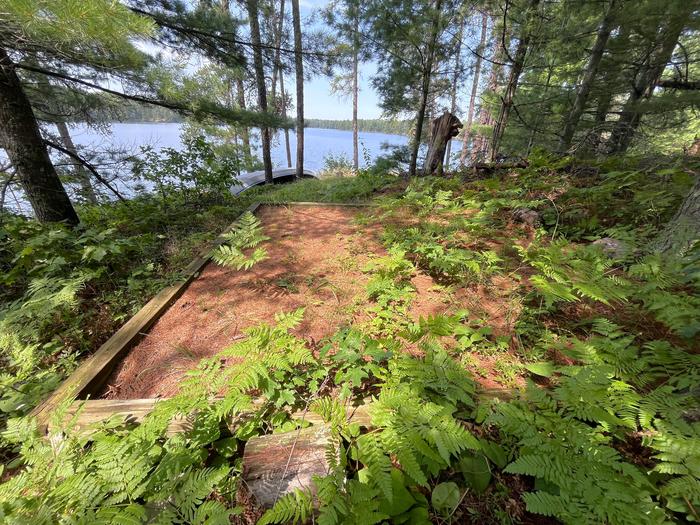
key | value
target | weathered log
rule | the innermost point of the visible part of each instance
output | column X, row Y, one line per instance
column 277, row 464
column 442, row 130
column 84, row 415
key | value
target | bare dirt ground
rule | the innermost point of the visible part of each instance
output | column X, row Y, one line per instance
column 315, row 260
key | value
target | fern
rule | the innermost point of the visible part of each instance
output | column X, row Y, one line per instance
column 246, row 234
column 295, row 507
column 570, row 273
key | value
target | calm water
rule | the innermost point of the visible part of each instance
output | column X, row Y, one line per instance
column 318, row 143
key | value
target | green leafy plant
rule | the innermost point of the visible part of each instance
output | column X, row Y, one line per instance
column 246, row 234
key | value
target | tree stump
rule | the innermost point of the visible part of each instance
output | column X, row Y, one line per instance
column 442, row 130
column 277, row 464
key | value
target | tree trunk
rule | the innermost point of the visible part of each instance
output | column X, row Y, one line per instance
column 475, row 89
column 21, row 139
column 81, row 173
column 644, row 83
column 287, row 147
column 481, row 142
column 252, row 6
column 512, row 85
column 355, row 93
column 540, row 114
column 683, row 230
column 601, row 40
column 299, row 66
column 277, row 72
column 425, row 88
column 245, row 133
column 442, row 130
column 455, row 79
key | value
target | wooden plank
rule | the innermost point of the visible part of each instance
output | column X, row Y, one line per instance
column 93, row 411
column 92, row 373
column 134, row 410
column 320, row 204
column 277, row 464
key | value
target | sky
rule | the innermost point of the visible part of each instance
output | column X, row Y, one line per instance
column 320, row 103
column 318, row 100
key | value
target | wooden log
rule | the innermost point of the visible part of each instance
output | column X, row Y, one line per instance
column 277, row 464
column 84, row 415
column 322, row 204
column 442, row 130
column 87, row 413
column 92, row 373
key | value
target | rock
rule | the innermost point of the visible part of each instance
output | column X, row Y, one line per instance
column 611, row 247
column 527, row 216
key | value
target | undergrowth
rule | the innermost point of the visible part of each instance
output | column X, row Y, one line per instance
column 605, row 429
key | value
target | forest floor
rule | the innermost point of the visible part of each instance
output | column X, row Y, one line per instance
column 443, row 289
column 316, row 260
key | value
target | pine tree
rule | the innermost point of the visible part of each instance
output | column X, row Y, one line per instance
column 475, row 89
column 253, row 14
column 412, row 42
column 344, row 17
column 299, row 71
column 584, row 89
column 507, row 99
column 72, row 43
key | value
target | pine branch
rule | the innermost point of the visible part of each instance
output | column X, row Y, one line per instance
column 87, row 165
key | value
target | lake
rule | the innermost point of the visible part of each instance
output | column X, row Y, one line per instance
column 318, row 143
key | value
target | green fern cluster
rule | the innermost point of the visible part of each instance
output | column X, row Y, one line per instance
column 570, row 273
column 669, row 289
column 439, row 250
column 415, row 436
column 246, row 234
column 616, row 391
column 117, row 477
column 579, row 477
column 391, row 290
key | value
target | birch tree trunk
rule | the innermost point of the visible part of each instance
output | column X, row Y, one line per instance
column 355, row 93
column 21, row 139
column 278, row 73
column 245, row 133
column 589, row 74
column 252, row 6
column 481, row 141
column 475, row 89
column 287, row 147
column 299, row 66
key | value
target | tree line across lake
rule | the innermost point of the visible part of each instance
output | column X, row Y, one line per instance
column 131, row 112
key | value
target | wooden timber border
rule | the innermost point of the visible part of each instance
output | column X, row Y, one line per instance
column 91, row 375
